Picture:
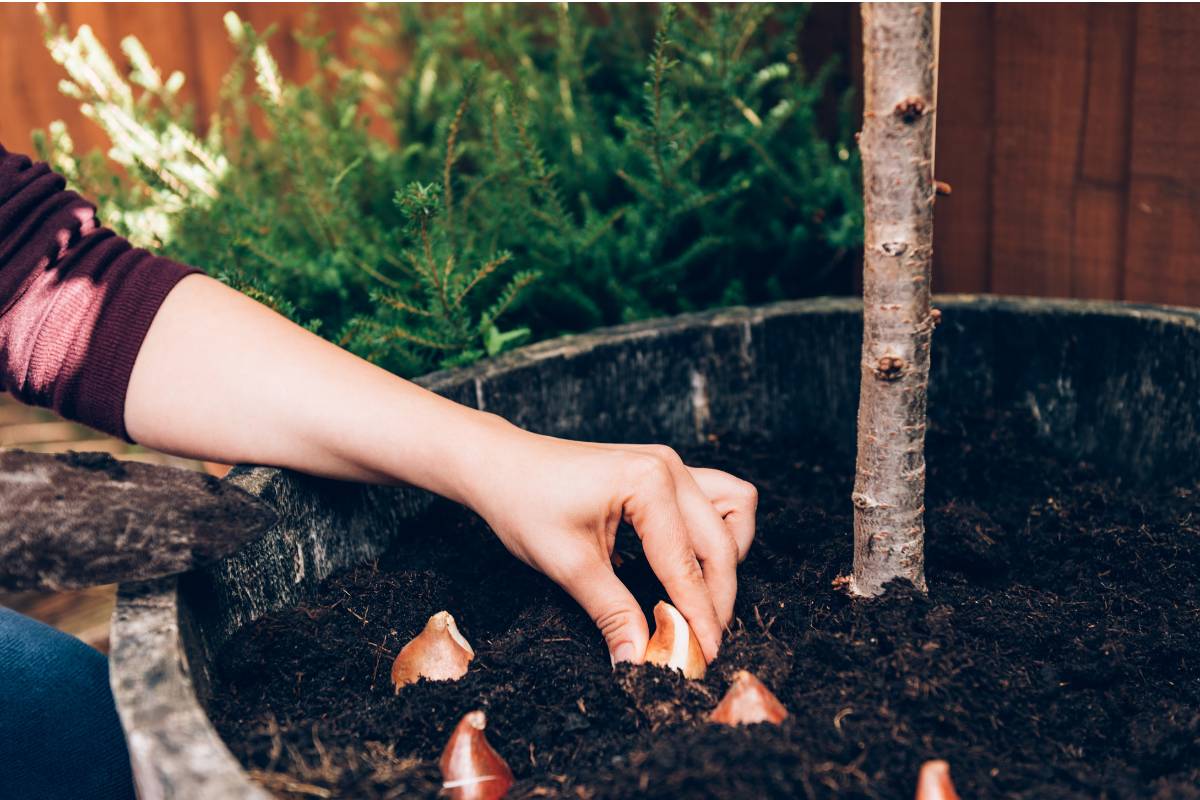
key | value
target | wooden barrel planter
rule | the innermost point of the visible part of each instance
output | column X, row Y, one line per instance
column 1114, row 384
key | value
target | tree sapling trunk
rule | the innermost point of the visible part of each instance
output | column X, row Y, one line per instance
column 898, row 191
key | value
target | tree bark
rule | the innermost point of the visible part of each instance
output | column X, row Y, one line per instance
column 898, row 192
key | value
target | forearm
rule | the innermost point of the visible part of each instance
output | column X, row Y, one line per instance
column 223, row 378
column 85, row 330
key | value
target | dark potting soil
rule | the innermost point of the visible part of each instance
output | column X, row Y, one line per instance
column 1056, row 654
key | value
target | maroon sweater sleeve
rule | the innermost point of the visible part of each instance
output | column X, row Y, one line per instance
column 76, row 300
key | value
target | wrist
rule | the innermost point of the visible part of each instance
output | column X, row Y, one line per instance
column 481, row 448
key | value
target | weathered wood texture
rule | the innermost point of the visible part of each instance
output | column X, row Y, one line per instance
column 84, row 519
column 84, row 613
column 1068, row 132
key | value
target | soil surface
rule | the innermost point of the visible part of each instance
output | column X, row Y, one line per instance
column 1056, row 655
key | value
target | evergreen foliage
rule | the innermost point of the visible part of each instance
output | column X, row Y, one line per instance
column 560, row 168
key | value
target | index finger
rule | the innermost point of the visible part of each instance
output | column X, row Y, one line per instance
column 653, row 510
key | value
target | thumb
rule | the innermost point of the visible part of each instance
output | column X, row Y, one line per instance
column 613, row 609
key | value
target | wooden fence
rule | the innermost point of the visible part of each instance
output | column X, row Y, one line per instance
column 1070, row 133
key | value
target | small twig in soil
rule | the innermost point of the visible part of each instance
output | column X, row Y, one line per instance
column 360, row 617
column 327, row 766
column 277, row 782
column 296, row 757
column 853, row 768
column 765, row 626
column 766, row 629
column 276, row 743
column 380, row 650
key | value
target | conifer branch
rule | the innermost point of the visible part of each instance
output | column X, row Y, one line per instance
column 483, row 272
column 451, row 141
column 618, row 164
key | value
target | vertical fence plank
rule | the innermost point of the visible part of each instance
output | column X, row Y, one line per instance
column 287, row 19
column 1162, row 258
column 164, row 29
column 29, row 96
column 212, row 52
column 1041, row 58
column 190, row 38
column 962, row 227
column 100, row 18
column 1102, row 180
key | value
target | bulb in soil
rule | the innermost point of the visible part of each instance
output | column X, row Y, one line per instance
column 439, row 653
column 748, row 702
column 673, row 643
column 934, row 782
column 471, row 769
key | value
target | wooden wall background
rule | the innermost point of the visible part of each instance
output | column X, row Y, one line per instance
column 1071, row 133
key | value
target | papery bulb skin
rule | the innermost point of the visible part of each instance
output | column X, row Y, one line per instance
column 934, row 782
column 748, row 702
column 674, row 645
column 438, row 653
column 471, row 769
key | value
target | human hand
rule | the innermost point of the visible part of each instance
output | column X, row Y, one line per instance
column 556, row 505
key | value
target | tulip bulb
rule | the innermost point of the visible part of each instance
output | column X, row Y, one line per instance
column 934, row 782
column 471, row 769
column 747, row 702
column 673, row 643
column 439, row 653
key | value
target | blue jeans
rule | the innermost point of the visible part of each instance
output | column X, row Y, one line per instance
column 59, row 732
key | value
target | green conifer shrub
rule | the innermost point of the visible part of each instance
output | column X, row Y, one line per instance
column 545, row 170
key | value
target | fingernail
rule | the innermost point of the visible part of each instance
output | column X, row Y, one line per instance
column 624, row 652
